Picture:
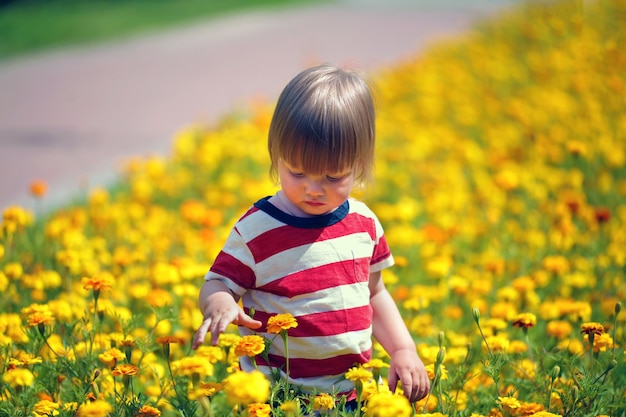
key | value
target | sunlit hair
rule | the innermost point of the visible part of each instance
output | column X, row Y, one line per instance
column 324, row 122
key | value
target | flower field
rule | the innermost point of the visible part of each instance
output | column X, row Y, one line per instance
column 501, row 184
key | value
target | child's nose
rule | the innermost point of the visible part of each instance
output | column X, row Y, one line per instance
column 314, row 187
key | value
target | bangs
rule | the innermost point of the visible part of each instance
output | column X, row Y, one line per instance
column 324, row 123
column 319, row 146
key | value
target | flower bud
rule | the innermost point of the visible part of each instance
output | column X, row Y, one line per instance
column 556, row 372
column 441, row 355
column 618, row 308
column 476, row 314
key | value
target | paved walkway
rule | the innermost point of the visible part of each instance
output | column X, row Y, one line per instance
column 72, row 116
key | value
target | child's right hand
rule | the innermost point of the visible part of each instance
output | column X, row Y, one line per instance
column 221, row 310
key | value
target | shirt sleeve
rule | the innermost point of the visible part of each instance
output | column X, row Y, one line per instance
column 234, row 265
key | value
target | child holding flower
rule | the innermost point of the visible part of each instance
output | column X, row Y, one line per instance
column 313, row 251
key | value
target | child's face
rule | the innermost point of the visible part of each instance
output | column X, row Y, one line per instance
column 314, row 195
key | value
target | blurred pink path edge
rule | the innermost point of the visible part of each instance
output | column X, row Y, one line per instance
column 71, row 117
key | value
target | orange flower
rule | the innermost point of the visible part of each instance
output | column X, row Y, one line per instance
column 111, row 356
column 259, row 410
column 280, row 322
column 125, row 370
column 96, row 283
column 250, row 345
column 38, row 188
column 40, row 318
column 148, row 411
column 166, row 340
column 525, row 320
column 592, row 328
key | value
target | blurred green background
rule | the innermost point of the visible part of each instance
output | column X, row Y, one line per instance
column 33, row 25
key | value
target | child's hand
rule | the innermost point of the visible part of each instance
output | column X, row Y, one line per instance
column 220, row 312
column 408, row 368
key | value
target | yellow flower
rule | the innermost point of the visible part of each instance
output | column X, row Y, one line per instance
column 193, row 365
column 376, row 364
column 291, row 408
column 98, row 283
column 243, row 388
column 280, row 322
column 510, row 403
column 13, row 270
column 359, row 374
column 46, row 408
column 323, row 402
column 228, row 339
column 430, row 369
column 384, row 404
column 125, row 369
column 524, row 320
column 111, row 356
column 250, row 345
column 18, row 377
column 559, row 329
column 259, row 410
column 38, row 315
column 148, row 411
column 97, row 408
column 592, row 328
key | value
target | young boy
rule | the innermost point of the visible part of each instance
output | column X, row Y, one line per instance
column 311, row 250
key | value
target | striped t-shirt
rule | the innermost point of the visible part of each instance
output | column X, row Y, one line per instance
column 317, row 269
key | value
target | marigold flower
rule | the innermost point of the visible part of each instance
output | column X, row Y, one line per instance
column 359, row 374
column 250, row 345
column 592, row 328
column 280, row 322
column 375, row 363
column 259, row 410
column 166, row 340
column 213, row 354
column 430, row 369
column 228, row 339
column 96, row 408
column 509, row 402
column 559, row 329
column 111, row 356
column 291, row 408
column 384, row 404
column 193, row 365
column 601, row 342
column 323, row 402
column 243, row 388
column 38, row 188
column 97, row 283
column 148, row 411
column 46, row 408
column 525, row 320
column 125, row 369
column 18, row 377
column 207, row 389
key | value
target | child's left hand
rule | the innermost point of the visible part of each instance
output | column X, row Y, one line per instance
column 408, row 368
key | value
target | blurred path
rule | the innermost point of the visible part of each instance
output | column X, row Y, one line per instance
column 71, row 116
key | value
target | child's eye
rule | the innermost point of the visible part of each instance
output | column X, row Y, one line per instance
column 333, row 179
column 297, row 174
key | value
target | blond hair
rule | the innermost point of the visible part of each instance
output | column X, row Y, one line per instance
column 324, row 122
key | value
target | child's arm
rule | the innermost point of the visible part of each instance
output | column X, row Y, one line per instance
column 219, row 309
column 390, row 331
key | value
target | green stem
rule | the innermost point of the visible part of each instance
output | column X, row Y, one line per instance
column 286, row 343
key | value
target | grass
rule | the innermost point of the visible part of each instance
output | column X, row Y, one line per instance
column 36, row 25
